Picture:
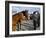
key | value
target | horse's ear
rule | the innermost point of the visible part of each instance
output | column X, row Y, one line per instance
column 26, row 10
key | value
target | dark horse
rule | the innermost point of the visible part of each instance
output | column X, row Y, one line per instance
column 17, row 18
column 36, row 19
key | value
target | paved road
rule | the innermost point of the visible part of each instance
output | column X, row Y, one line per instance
column 27, row 25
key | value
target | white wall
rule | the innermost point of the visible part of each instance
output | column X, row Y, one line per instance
column 2, row 19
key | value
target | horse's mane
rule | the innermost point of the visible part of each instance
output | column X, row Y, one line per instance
column 19, row 13
column 16, row 14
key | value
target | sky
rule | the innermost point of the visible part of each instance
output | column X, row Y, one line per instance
column 16, row 9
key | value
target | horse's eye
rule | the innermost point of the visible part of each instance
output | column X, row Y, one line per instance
column 36, row 13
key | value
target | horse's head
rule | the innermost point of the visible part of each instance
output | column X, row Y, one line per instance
column 25, row 13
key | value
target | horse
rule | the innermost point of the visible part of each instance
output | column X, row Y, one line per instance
column 17, row 18
column 36, row 19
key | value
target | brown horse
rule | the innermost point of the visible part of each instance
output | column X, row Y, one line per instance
column 17, row 18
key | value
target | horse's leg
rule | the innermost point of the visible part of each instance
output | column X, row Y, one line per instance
column 13, row 27
column 19, row 25
column 38, row 22
column 34, row 23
